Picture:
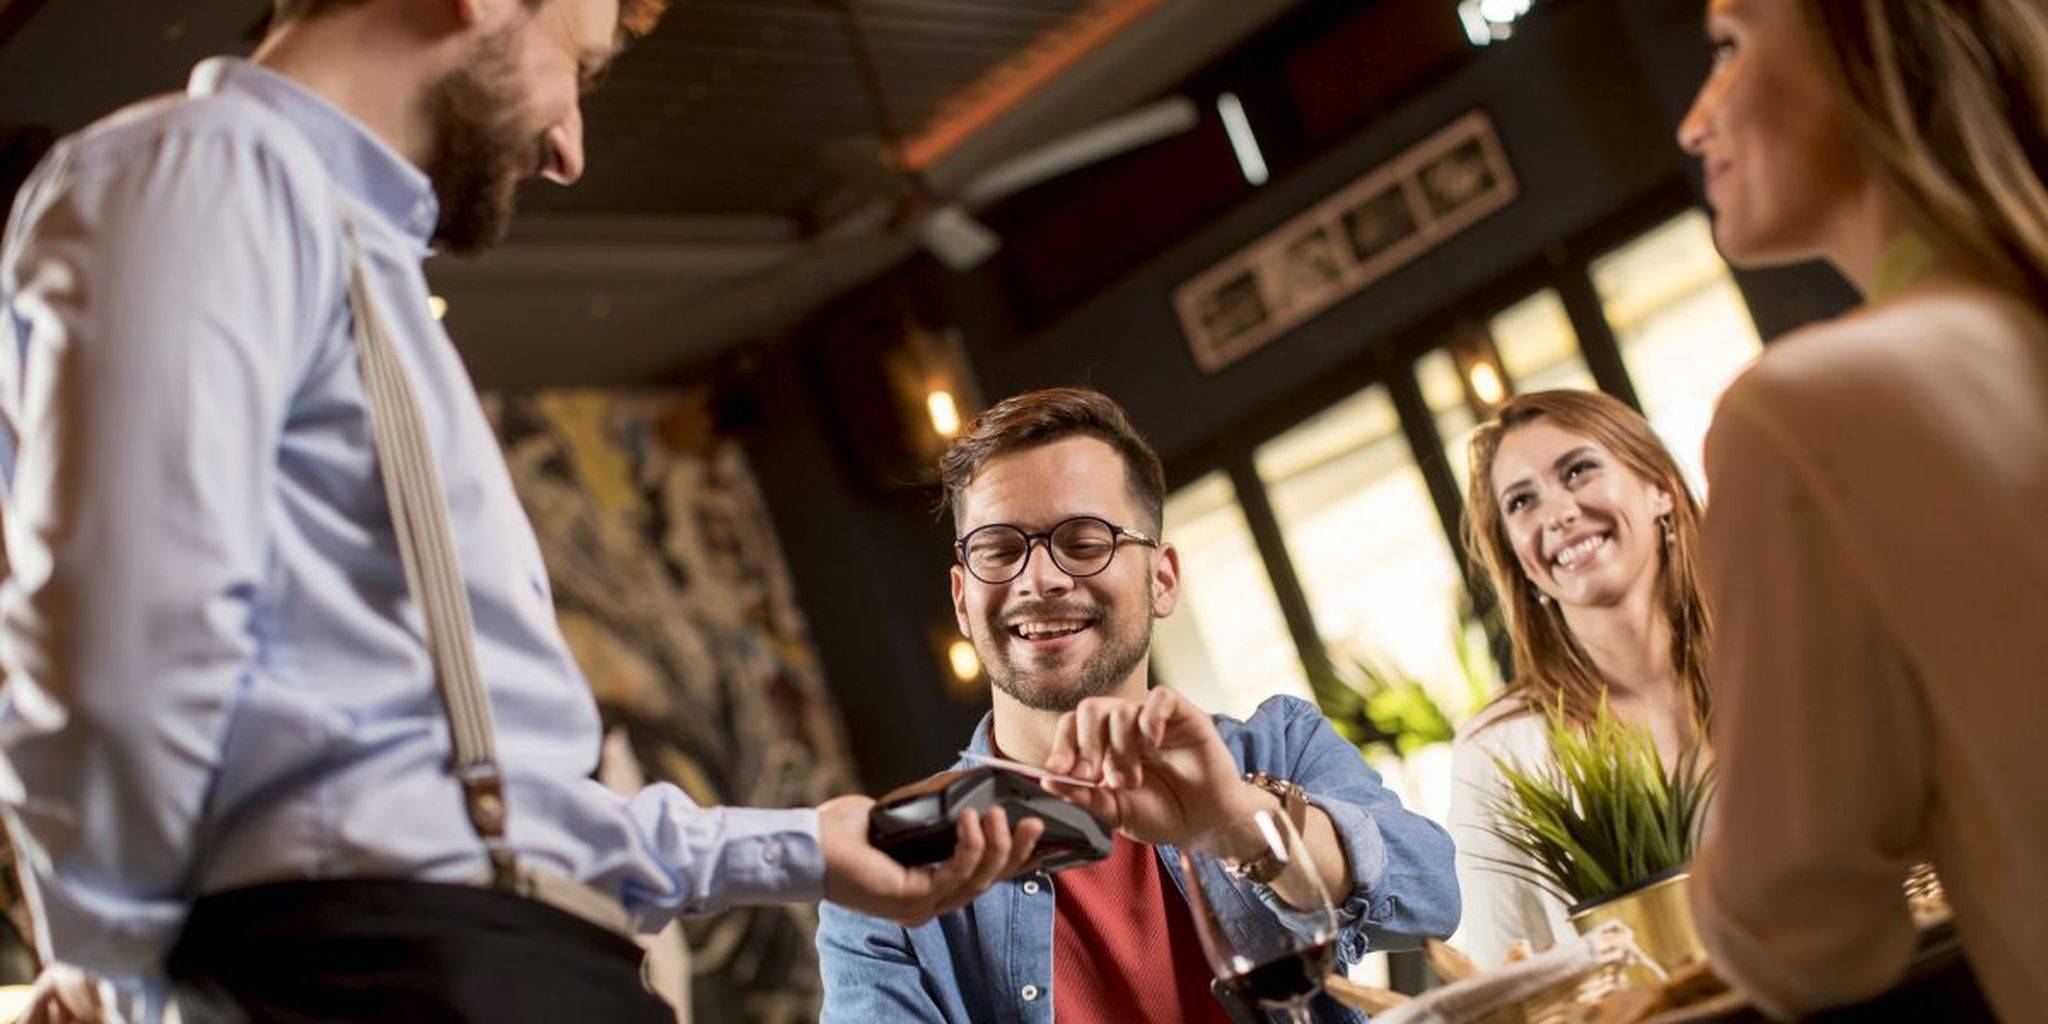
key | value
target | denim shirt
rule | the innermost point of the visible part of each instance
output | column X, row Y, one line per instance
column 991, row 962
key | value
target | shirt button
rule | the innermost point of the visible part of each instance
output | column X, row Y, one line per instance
column 1030, row 993
column 771, row 852
column 1031, row 888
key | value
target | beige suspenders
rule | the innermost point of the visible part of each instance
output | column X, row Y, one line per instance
column 419, row 516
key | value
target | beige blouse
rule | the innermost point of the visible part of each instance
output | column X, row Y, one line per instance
column 1499, row 907
column 1877, row 554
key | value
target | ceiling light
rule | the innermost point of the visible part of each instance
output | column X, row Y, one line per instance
column 1490, row 21
column 1242, row 141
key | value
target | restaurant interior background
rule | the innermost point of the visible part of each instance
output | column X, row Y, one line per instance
column 1308, row 245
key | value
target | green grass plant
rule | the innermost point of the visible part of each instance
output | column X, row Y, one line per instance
column 1605, row 814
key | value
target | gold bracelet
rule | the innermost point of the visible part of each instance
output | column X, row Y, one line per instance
column 1293, row 799
column 1294, row 804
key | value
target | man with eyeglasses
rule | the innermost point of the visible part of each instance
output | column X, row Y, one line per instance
column 1060, row 568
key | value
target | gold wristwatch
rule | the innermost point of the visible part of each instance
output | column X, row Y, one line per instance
column 1294, row 804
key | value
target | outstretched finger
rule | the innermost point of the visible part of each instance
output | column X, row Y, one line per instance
column 1154, row 716
column 1125, row 748
column 1065, row 750
column 1088, row 740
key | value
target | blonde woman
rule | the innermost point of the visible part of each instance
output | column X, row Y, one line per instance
column 1585, row 527
column 1878, row 551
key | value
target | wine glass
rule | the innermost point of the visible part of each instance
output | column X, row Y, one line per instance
column 1261, row 912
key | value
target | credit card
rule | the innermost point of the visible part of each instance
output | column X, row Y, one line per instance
column 1023, row 769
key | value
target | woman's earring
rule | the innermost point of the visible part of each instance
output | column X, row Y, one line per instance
column 1541, row 597
column 1670, row 532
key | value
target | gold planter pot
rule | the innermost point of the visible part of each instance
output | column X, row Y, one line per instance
column 1660, row 916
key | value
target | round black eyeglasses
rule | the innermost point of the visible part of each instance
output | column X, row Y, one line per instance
column 1082, row 546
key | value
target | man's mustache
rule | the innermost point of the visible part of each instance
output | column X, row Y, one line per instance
column 1052, row 610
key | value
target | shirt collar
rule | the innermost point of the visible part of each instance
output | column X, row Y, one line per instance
column 1905, row 261
column 360, row 162
column 980, row 743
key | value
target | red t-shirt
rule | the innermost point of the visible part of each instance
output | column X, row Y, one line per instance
column 1112, row 921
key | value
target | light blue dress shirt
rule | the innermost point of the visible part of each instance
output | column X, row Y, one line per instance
column 991, row 962
column 215, row 676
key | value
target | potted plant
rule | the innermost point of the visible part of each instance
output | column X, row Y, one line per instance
column 1609, row 829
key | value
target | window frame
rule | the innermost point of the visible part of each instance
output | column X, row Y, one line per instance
column 1392, row 362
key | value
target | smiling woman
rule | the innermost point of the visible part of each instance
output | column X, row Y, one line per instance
column 1880, row 680
column 1576, row 508
column 1588, row 533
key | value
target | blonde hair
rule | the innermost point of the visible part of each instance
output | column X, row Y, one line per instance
column 1553, row 673
column 1949, row 101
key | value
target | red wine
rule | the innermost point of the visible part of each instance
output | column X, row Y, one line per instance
column 1282, row 981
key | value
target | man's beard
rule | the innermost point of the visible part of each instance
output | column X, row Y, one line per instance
column 479, row 146
column 1105, row 669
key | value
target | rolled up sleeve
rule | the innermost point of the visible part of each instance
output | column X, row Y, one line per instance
column 1402, row 863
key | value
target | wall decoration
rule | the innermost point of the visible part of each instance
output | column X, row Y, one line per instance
column 672, row 592
column 1393, row 214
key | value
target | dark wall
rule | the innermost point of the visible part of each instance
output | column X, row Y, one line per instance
column 1582, row 133
column 870, row 573
column 1586, row 99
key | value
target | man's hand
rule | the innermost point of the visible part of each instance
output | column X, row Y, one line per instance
column 1166, row 775
column 865, row 879
column 63, row 994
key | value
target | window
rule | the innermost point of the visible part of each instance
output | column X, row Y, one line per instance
column 1436, row 373
column 1537, row 345
column 1226, row 647
column 1682, row 326
column 1367, row 543
column 1538, row 349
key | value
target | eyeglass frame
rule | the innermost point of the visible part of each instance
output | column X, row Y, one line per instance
column 1116, row 534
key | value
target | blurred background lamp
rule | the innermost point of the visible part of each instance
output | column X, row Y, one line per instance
column 945, row 420
column 962, row 659
column 1486, row 384
column 437, row 306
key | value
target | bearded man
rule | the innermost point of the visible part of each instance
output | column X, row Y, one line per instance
column 289, row 731
column 1060, row 570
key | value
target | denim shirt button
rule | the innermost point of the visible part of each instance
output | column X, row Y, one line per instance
column 1031, row 887
column 1030, row 993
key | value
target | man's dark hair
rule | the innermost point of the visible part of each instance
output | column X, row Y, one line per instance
column 1054, row 414
column 636, row 17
